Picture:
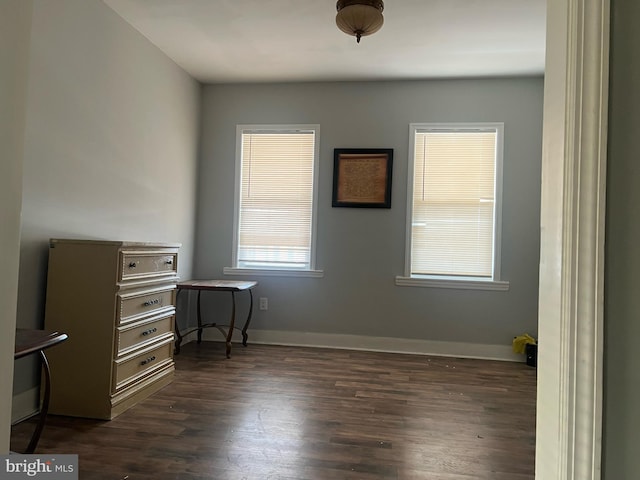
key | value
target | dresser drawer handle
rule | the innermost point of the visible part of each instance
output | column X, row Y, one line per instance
column 169, row 262
column 149, row 332
column 133, row 264
column 148, row 303
column 148, row 360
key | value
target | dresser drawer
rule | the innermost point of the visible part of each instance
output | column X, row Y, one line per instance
column 141, row 303
column 140, row 265
column 133, row 368
column 137, row 334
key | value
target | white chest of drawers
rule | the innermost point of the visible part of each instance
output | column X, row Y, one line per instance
column 116, row 301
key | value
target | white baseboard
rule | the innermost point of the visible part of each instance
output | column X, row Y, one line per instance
column 374, row 344
column 25, row 404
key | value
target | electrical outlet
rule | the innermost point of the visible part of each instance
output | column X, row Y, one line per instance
column 264, row 303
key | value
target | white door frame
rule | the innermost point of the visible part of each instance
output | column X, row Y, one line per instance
column 569, row 398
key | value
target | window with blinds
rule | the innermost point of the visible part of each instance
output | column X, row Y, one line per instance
column 276, row 190
column 454, row 202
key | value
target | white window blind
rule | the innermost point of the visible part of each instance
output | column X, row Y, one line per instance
column 275, row 207
column 453, row 214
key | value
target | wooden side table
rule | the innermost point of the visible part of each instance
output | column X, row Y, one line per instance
column 217, row 286
column 36, row 341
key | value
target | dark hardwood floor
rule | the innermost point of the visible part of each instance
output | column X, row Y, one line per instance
column 293, row 413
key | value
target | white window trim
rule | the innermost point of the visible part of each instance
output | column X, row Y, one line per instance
column 311, row 271
column 439, row 281
column 273, row 273
column 446, row 282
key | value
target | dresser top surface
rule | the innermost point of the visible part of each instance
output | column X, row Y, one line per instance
column 116, row 243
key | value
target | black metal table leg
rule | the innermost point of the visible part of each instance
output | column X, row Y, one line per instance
column 245, row 336
column 199, row 318
column 33, row 443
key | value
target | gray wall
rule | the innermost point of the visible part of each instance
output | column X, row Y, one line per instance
column 362, row 250
column 15, row 24
column 622, row 254
column 111, row 143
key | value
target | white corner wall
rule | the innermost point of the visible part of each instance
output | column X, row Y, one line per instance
column 110, row 147
column 15, row 24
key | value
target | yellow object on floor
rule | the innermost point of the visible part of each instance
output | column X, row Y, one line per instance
column 520, row 341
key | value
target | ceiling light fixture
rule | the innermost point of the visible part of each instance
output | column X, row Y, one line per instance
column 359, row 17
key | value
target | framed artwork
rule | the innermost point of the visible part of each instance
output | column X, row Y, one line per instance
column 362, row 177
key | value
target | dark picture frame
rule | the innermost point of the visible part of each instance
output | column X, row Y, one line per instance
column 362, row 177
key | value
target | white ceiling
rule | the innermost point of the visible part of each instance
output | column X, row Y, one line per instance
column 229, row 41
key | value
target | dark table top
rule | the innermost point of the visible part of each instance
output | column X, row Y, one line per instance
column 29, row 341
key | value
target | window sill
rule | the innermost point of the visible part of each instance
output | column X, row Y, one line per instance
column 494, row 285
column 273, row 273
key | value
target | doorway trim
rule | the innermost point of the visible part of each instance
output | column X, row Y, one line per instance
column 571, row 296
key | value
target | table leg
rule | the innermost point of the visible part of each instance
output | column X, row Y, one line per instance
column 178, row 342
column 33, row 443
column 199, row 318
column 246, row 324
column 231, row 323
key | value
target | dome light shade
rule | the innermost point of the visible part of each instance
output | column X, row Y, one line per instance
column 359, row 17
